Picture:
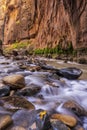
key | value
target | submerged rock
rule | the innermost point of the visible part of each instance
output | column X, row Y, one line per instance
column 14, row 103
column 69, row 73
column 24, row 118
column 14, row 81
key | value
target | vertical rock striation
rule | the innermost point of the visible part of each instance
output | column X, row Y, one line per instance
column 2, row 17
column 46, row 22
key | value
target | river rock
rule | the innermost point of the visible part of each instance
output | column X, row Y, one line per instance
column 78, row 127
column 42, row 120
column 24, row 118
column 29, row 91
column 58, row 125
column 14, row 103
column 75, row 107
column 66, row 119
column 5, row 120
column 17, row 128
column 69, row 73
column 4, row 90
column 14, row 81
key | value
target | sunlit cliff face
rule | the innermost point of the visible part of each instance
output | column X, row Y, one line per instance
column 46, row 22
column 2, row 15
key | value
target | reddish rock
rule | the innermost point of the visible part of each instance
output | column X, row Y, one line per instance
column 46, row 22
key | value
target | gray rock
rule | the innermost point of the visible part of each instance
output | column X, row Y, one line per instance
column 58, row 125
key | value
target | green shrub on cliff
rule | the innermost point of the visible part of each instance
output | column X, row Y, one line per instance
column 15, row 45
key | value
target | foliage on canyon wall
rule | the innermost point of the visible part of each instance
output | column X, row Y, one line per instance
column 46, row 22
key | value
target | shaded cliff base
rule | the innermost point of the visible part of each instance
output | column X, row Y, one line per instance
column 26, row 48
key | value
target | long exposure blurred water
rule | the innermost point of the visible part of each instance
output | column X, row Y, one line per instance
column 53, row 91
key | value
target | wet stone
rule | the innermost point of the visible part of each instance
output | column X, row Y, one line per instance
column 78, row 127
column 29, row 91
column 75, row 107
column 66, row 119
column 4, row 90
column 24, row 118
column 14, row 103
column 43, row 120
column 69, row 73
column 58, row 125
column 5, row 121
column 14, row 81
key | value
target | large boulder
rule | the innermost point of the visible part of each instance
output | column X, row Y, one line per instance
column 14, row 81
column 69, row 73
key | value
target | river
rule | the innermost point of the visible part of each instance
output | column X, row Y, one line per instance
column 64, row 89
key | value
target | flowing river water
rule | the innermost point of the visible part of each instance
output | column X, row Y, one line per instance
column 53, row 91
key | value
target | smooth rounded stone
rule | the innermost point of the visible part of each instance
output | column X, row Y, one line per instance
column 17, row 128
column 15, row 81
column 5, row 121
column 14, row 103
column 69, row 73
column 29, row 91
column 4, row 90
column 58, row 125
column 75, row 107
column 66, row 119
column 24, row 118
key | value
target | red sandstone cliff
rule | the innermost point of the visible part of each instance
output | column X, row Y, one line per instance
column 46, row 22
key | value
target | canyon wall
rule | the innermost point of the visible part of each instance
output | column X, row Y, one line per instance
column 46, row 22
column 2, row 17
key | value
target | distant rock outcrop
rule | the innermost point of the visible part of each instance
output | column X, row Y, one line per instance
column 46, row 22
